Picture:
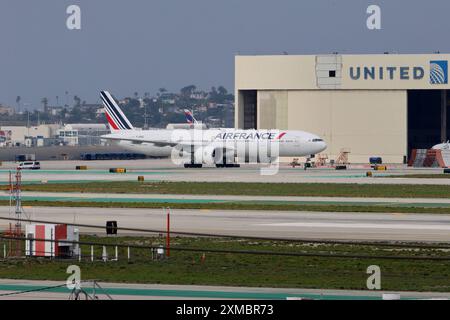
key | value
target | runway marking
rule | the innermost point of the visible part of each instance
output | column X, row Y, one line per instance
column 358, row 225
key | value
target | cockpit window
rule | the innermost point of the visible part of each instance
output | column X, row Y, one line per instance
column 317, row 140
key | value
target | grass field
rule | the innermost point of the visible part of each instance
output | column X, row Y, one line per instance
column 245, row 270
column 424, row 176
column 260, row 189
column 239, row 206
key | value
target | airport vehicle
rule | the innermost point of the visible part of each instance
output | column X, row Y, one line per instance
column 29, row 165
column 442, row 146
column 195, row 147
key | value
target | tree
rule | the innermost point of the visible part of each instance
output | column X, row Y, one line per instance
column 77, row 101
column 222, row 91
column 188, row 90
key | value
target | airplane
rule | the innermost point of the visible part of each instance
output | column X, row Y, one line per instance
column 190, row 117
column 442, row 146
column 219, row 147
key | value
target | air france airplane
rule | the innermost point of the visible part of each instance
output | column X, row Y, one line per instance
column 442, row 146
column 209, row 146
column 190, row 117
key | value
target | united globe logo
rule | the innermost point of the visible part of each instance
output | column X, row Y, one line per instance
column 439, row 72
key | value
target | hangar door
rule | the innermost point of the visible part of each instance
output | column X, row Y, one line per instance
column 249, row 100
column 428, row 118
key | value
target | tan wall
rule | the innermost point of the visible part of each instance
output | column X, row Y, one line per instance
column 275, row 72
column 285, row 72
column 369, row 123
column 272, row 109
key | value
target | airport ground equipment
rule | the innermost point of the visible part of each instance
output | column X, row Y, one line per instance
column 117, row 170
column 81, row 168
column 343, row 157
column 321, row 160
column 295, row 162
column 375, row 160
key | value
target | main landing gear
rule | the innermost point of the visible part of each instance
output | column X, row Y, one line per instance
column 193, row 165
column 228, row 165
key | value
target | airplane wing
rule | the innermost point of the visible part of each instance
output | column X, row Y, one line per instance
column 137, row 140
column 159, row 143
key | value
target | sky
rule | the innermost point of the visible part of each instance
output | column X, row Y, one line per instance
column 143, row 45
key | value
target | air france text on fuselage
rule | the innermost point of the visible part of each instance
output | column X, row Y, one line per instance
column 247, row 136
column 387, row 73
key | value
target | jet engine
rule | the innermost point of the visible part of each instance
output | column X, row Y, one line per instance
column 208, row 155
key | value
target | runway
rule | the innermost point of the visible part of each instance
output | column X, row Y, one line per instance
column 165, row 170
column 121, row 291
column 277, row 224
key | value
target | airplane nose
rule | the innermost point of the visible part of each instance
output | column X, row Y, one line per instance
column 321, row 146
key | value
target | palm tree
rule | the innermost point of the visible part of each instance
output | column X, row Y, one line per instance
column 67, row 98
column 18, row 98
column 77, row 100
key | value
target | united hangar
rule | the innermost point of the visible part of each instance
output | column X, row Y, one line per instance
column 374, row 105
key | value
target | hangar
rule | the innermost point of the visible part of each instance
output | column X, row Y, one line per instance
column 372, row 105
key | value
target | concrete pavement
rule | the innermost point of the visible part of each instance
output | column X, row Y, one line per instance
column 165, row 170
column 121, row 291
column 279, row 224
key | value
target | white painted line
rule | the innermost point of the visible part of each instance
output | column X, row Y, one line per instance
column 359, row 225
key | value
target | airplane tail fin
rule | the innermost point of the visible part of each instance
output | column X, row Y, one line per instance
column 189, row 117
column 116, row 118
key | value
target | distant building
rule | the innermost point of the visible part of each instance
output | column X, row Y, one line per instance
column 82, row 133
column 53, row 110
column 198, row 95
column 91, row 106
column 168, row 98
column 20, row 135
column 4, row 110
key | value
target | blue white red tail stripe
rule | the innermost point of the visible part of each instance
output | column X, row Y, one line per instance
column 189, row 117
column 116, row 118
column 111, row 117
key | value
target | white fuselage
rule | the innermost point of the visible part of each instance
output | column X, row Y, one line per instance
column 442, row 146
column 279, row 143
